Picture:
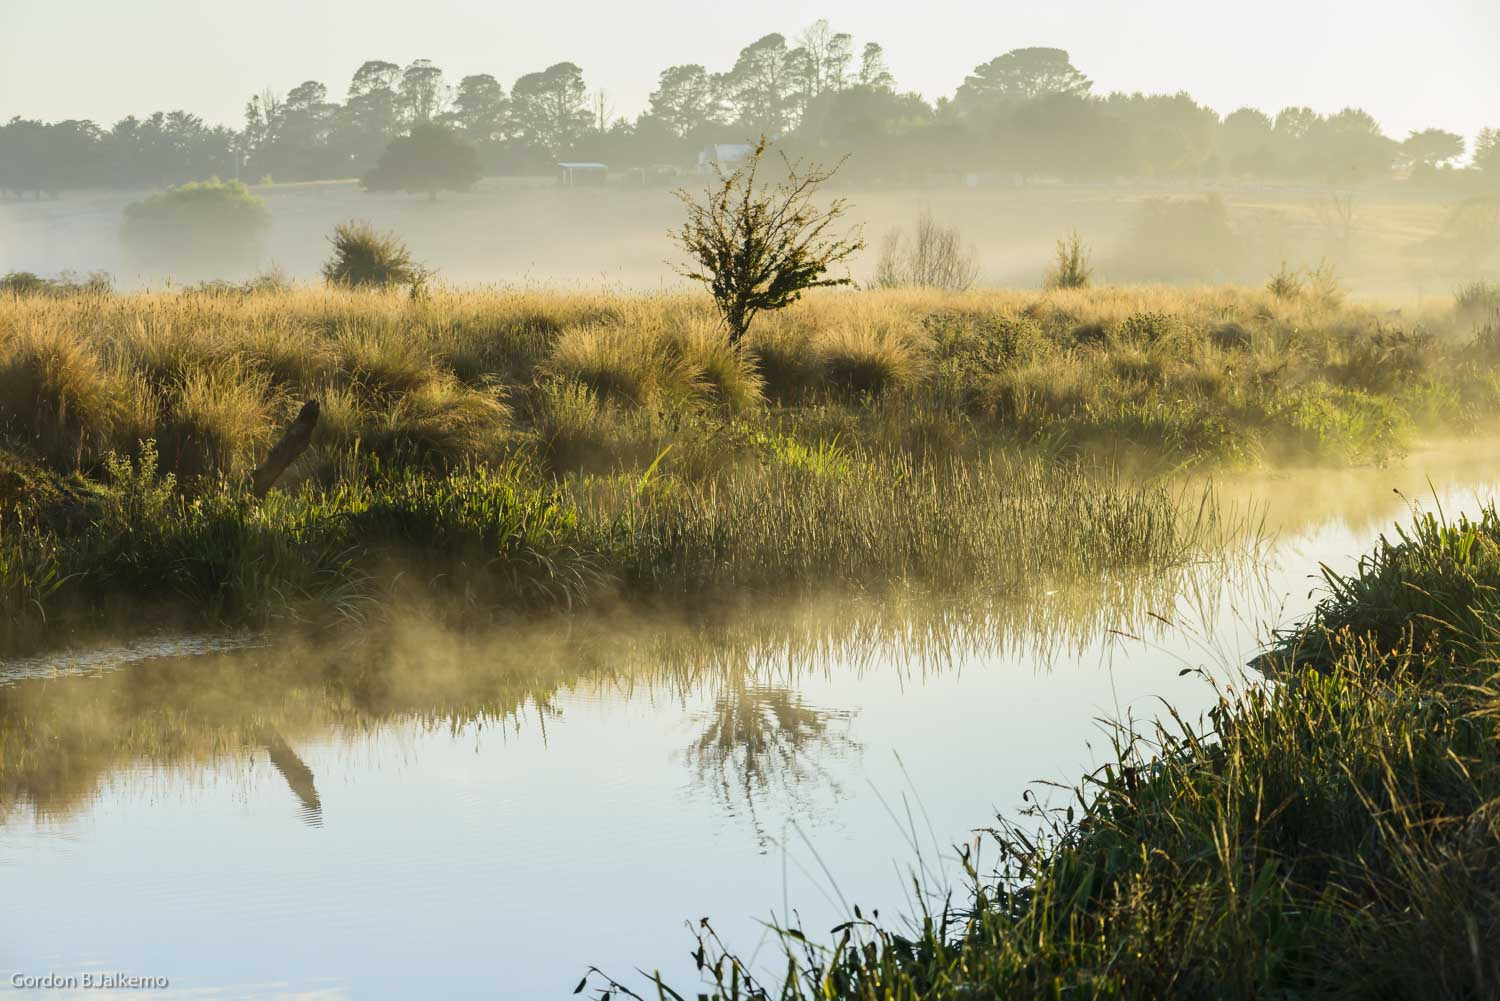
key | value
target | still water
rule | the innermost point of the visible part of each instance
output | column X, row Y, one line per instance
column 478, row 817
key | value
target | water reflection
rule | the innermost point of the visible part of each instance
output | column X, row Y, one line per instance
column 460, row 780
column 765, row 740
column 62, row 735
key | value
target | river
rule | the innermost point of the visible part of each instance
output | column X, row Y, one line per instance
column 488, row 816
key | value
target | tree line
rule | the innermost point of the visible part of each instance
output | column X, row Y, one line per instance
column 1026, row 114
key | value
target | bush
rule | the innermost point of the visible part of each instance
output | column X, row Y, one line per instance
column 64, row 285
column 208, row 224
column 935, row 257
column 365, row 258
column 1071, row 268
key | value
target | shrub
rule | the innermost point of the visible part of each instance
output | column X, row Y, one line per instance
column 1230, row 336
column 202, row 225
column 365, row 258
column 1286, row 284
column 66, row 284
column 935, row 257
column 1071, row 268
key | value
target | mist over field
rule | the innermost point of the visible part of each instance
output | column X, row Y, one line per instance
column 922, row 504
column 1026, row 149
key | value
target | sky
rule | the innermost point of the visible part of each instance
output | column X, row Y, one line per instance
column 102, row 59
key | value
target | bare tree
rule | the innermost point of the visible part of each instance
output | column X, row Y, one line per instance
column 935, row 257
column 759, row 248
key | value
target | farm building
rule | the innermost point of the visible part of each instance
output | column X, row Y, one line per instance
column 582, row 175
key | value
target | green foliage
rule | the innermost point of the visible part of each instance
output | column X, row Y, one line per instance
column 1071, row 267
column 364, row 257
column 66, row 284
column 759, row 249
column 216, row 221
column 1286, row 284
column 432, row 158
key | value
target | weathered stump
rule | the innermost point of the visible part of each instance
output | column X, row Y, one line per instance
column 285, row 452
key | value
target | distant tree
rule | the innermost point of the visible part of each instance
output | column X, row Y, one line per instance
column 1487, row 153
column 1247, row 139
column 421, row 92
column 432, row 158
column 1021, row 75
column 372, row 114
column 374, row 76
column 480, row 108
column 819, row 64
column 550, row 109
column 1294, row 123
column 1172, row 135
column 1431, row 147
column 1067, row 136
column 759, row 248
column 686, row 100
column 1349, row 145
column 758, row 87
column 873, row 71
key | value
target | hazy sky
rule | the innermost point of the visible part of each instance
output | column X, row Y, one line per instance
column 103, row 59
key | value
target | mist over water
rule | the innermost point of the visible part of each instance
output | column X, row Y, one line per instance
column 452, row 812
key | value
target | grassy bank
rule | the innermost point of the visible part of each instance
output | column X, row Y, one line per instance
column 1333, row 834
column 502, row 450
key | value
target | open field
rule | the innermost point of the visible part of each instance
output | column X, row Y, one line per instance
column 528, row 230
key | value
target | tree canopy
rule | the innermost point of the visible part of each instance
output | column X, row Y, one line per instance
column 432, row 158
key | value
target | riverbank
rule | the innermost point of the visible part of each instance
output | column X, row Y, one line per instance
column 486, row 453
column 1327, row 833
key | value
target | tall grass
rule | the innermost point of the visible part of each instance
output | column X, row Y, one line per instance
column 88, row 373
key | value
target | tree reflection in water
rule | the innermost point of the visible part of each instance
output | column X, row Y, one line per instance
column 764, row 741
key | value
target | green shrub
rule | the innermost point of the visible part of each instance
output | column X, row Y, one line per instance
column 204, row 225
column 1070, row 268
column 366, row 258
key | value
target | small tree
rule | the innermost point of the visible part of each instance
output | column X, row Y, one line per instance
column 759, row 248
column 433, row 158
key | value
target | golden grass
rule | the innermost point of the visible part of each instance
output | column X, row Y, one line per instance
column 459, row 372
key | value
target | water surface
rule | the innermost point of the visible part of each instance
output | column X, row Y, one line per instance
column 427, row 815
